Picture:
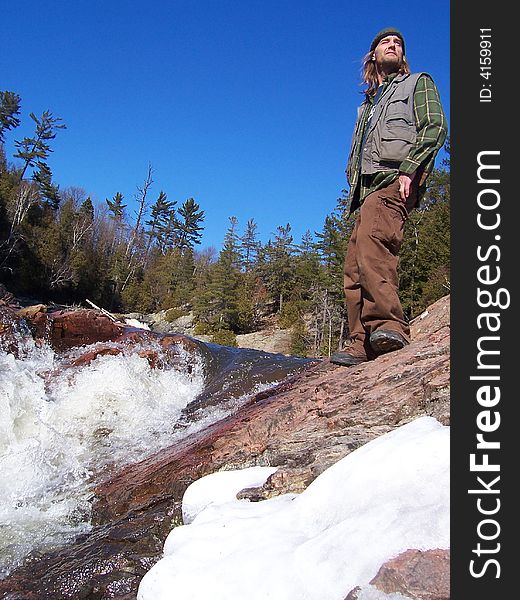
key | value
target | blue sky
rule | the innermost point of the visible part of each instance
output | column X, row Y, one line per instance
column 248, row 106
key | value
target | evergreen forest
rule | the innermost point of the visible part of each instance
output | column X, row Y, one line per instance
column 57, row 246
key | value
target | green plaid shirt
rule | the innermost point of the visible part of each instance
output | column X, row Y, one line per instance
column 431, row 133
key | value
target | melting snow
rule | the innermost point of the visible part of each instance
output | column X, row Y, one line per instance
column 388, row 496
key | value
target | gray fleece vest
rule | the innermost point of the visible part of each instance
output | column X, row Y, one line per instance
column 391, row 131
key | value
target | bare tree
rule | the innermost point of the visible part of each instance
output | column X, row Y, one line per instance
column 26, row 196
column 141, row 198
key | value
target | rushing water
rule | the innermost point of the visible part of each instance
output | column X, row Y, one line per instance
column 61, row 427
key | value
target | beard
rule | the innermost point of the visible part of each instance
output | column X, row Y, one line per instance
column 390, row 63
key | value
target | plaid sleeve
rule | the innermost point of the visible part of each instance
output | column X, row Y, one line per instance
column 431, row 125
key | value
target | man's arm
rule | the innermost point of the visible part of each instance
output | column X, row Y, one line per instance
column 432, row 129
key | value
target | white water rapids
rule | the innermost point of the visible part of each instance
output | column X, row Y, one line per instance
column 57, row 432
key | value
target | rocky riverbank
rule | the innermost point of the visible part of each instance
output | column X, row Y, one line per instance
column 269, row 338
column 302, row 426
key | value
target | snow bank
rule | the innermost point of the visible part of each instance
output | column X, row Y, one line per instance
column 390, row 495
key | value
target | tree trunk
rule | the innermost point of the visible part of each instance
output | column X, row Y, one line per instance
column 142, row 207
column 341, row 333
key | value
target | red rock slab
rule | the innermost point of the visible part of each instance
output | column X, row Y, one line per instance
column 64, row 329
column 434, row 318
column 87, row 357
column 416, row 574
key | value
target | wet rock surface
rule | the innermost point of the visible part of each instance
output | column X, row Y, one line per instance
column 107, row 563
column 303, row 426
column 10, row 324
column 67, row 328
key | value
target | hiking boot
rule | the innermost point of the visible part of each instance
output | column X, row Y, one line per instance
column 352, row 354
column 383, row 341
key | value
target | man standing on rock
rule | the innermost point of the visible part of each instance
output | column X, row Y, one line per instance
column 399, row 130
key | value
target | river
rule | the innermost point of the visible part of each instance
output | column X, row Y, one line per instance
column 65, row 426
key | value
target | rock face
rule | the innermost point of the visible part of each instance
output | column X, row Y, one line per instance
column 68, row 328
column 303, row 426
column 273, row 339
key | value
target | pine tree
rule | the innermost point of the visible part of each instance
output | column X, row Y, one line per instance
column 162, row 223
column 86, row 210
column 307, row 269
column 182, row 279
column 115, row 234
column 231, row 246
column 249, row 284
column 306, row 280
column 250, row 246
column 9, row 111
column 328, row 304
column 278, row 271
column 217, row 305
column 48, row 190
column 116, row 207
column 190, row 228
column 36, row 149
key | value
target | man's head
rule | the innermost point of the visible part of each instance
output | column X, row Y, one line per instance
column 387, row 50
column 386, row 56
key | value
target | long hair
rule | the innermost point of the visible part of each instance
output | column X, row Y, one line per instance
column 369, row 73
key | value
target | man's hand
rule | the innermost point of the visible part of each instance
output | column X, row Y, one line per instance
column 405, row 182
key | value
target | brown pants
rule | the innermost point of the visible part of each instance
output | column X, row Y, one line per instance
column 370, row 273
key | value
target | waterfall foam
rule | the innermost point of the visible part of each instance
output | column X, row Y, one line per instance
column 58, row 432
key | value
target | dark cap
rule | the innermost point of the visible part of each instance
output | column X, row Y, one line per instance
column 383, row 33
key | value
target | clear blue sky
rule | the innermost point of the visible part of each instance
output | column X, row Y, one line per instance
column 247, row 106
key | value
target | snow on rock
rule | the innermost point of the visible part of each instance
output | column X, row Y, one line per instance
column 138, row 324
column 219, row 488
column 390, row 495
